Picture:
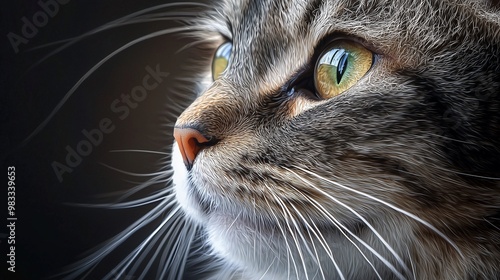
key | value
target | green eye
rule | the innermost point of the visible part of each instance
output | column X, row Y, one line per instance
column 221, row 59
column 341, row 66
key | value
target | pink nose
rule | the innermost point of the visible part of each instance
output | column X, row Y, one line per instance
column 189, row 141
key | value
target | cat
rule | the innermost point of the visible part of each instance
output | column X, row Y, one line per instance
column 337, row 139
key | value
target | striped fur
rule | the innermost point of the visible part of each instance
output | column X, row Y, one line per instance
column 396, row 178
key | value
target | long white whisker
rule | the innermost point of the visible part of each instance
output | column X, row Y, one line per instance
column 172, row 228
column 312, row 242
column 71, row 41
column 162, row 178
column 295, row 224
column 140, row 151
column 234, row 221
column 93, row 259
column 130, row 258
column 159, row 248
column 404, row 212
column 412, row 264
column 182, row 261
column 85, row 266
column 491, row 224
column 388, row 264
column 267, row 270
column 107, row 26
column 289, row 250
column 186, row 237
column 161, row 173
column 179, row 244
column 339, row 225
column 97, row 66
column 194, row 43
column 155, row 197
column 342, row 229
column 290, row 230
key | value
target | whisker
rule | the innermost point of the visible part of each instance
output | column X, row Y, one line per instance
column 107, row 26
column 290, row 230
column 342, row 229
column 94, row 68
column 125, row 205
column 339, row 225
column 131, row 257
column 295, row 224
column 145, row 251
column 404, row 212
column 393, row 252
column 118, row 204
column 93, row 259
column 132, row 173
column 467, row 174
column 312, row 242
column 289, row 250
column 192, row 44
column 66, row 43
column 267, row 270
column 176, row 245
column 181, row 262
column 140, row 151
column 160, row 179
column 411, row 263
column 491, row 224
column 173, row 229
column 234, row 221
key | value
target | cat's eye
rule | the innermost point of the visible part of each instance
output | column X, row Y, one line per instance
column 221, row 59
column 340, row 66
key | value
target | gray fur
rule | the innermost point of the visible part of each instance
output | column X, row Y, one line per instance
column 409, row 156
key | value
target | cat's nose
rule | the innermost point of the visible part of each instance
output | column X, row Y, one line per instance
column 190, row 142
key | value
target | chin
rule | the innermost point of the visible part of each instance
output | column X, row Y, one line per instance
column 181, row 184
column 265, row 253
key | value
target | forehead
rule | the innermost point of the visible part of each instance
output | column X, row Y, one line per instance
column 250, row 19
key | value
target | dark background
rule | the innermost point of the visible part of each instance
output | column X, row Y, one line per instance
column 51, row 233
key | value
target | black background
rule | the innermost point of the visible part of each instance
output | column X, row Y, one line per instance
column 50, row 233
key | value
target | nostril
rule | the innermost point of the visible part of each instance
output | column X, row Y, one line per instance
column 190, row 142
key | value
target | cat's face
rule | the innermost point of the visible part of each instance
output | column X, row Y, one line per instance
column 374, row 168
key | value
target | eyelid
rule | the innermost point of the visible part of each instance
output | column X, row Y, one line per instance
column 336, row 36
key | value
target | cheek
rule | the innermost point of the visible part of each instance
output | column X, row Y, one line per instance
column 181, row 187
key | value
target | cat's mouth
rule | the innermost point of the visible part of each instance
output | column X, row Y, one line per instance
column 207, row 212
column 208, row 205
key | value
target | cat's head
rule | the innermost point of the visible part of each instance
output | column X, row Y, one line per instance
column 346, row 137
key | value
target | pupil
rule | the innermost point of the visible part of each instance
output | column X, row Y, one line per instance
column 341, row 67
